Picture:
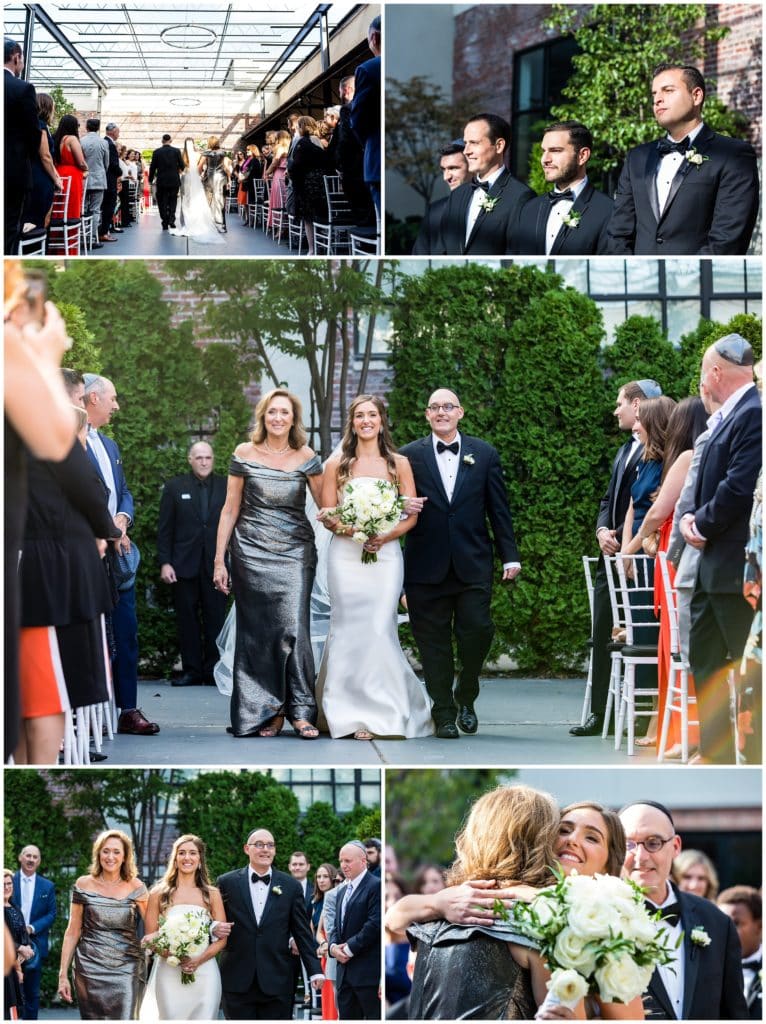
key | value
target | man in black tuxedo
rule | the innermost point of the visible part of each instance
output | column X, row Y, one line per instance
column 718, row 525
column 299, row 868
column 190, row 508
column 349, row 155
column 113, row 186
column 481, row 215
column 21, row 143
column 693, row 192
column 448, row 559
column 743, row 904
column 572, row 219
column 166, row 167
column 265, row 908
column 355, row 938
column 454, row 168
column 612, row 510
column 707, row 981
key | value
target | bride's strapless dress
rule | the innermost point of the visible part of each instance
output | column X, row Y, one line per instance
column 194, row 219
column 365, row 681
column 167, row 998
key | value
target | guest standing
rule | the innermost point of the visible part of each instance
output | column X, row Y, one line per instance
column 21, row 141
column 307, row 165
column 96, row 153
column 273, row 560
column 70, row 163
column 35, row 896
column 46, row 179
column 14, row 926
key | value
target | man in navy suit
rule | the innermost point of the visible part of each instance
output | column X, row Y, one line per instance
column 705, row 983
column 612, row 510
column 355, row 938
column 100, row 400
column 21, row 141
column 190, row 508
column 454, row 169
column 365, row 112
column 448, row 559
column 572, row 219
column 691, row 193
column 36, row 898
column 481, row 215
column 718, row 525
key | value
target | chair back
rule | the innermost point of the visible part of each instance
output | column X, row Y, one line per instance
column 61, row 200
column 589, row 565
column 635, row 596
column 671, row 603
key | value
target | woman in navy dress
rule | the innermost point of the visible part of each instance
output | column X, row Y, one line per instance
column 46, row 178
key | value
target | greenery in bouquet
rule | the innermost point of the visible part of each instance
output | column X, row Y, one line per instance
column 180, row 936
column 369, row 508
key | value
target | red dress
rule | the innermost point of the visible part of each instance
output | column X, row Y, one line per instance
column 67, row 169
column 329, row 1009
column 663, row 650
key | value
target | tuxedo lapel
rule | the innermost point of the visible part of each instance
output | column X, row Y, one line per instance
column 700, row 144
column 578, row 206
column 496, row 192
column 244, row 895
column 541, row 225
column 650, row 172
column 660, row 995
column 462, row 202
column 463, row 468
column 690, row 919
column 623, row 468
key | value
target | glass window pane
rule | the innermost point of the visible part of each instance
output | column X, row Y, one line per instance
column 560, row 67
column 614, row 314
column 344, row 799
column 370, row 796
column 646, row 308
column 728, row 276
column 643, row 275
column 607, row 277
column 754, row 275
column 683, row 317
column 344, row 774
column 525, row 132
column 302, row 775
column 724, row 309
column 574, row 272
column 370, row 775
column 530, row 87
column 754, row 306
column 322, row 792
column 682, row 277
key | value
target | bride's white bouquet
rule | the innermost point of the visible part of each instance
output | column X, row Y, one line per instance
column 596, row 935
column 369, row 508
column 179, row 936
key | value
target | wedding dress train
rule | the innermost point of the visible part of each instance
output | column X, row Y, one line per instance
column 194, row 219
column 167, row 998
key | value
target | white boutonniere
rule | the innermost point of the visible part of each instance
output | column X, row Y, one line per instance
column 468, row 459
column 488, row 203
column 699, row 936
column 277, row 890
column 694, row 157
column 572, row 219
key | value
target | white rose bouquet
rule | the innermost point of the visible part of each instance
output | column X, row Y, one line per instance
column 369, row 508
column 595, row 935
column 180, row 936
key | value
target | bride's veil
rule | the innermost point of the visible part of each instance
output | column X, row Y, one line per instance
column 320, row 605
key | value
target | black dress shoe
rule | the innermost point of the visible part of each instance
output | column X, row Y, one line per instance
column 97, row 245
column 467, row 720
column 447, row 731
column 594, row 725
column 187, row 680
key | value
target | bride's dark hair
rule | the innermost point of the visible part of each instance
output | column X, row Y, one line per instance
column 168, row 884
column 349, row 441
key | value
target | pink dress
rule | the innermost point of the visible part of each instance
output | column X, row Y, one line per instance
column 278, row 189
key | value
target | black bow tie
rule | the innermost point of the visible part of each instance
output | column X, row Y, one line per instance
column 671, row 914
column 483, row 185
column 255, row 878
column 752, row 965
column 556, row 197
column 442, row 447
column 665, row 146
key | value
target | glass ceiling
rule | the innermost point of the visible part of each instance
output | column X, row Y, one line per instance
column 171, row 45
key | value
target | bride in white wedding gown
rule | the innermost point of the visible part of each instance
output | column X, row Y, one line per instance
column 184, row 889
column 366, row 687
column 193, row 215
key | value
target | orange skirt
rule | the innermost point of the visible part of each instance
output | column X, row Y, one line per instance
column 41, row 674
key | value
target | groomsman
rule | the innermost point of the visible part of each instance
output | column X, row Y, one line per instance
column 572, row 219
column 36, row 897
column 692, row 192
column 743, row 905
column 448, row 559
column 454, row 168
column 480, row 214
column 705, row 983
column 166, row 167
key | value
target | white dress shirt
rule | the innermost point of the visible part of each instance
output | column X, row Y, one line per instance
column 668, row 167
column 27, row 895
column 559, row 211
column 474, row 207
column 259, row 893
column 672, row 974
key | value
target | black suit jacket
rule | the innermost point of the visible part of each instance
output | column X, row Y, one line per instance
column 361, row 930
column 113, row 171
column 166, row 166
column 262, row 950
column 21, row 142
column 183, row 539
column 711, row 209
column 723, row 498
column 613, row 507
column 427, row 241
column 712, row 974
column 456, row 531
column 588, row 238
column 43, row 912
column 492, row 234
column 365, row 115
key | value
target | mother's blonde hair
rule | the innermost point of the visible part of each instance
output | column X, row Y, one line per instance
column 128, row 867
column 509, row 836
column 297, row 436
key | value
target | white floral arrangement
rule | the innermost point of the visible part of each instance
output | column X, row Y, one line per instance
column 468, row 459
column 596, row 935
column 699, row 936
column 572, row 219
column 180, row 936
column 277, row 890
column 488, row 203
column 695, row 158
column 369, row 508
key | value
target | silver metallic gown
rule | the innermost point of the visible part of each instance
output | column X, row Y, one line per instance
column 215, row 185
column 109, row 966
column 273, row 560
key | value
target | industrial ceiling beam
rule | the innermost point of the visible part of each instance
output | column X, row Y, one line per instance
column 55, row 32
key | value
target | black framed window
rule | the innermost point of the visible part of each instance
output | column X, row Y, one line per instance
column 342, row 788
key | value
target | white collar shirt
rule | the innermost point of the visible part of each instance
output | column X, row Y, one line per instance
column 27, row 895
column 559, row 211
column 259, row 893
column 474, row 207
column 668, row 166
column 672, row 974
column 447, row 464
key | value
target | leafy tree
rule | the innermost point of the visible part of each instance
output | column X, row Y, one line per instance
column 416, row 832
column 370, row 825
column 322, row 833
column 307, row 309
column 694, row 343
column 640, row 350
column 62, row 104
column 609, row 89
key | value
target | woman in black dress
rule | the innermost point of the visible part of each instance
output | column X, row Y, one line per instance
column 307, row 165
column 273, row 560
column 14, row 922
column 46, row 179
column 215, row 170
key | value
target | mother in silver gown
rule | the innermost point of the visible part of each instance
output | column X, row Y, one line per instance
column 264, row 527
column 109, row 967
